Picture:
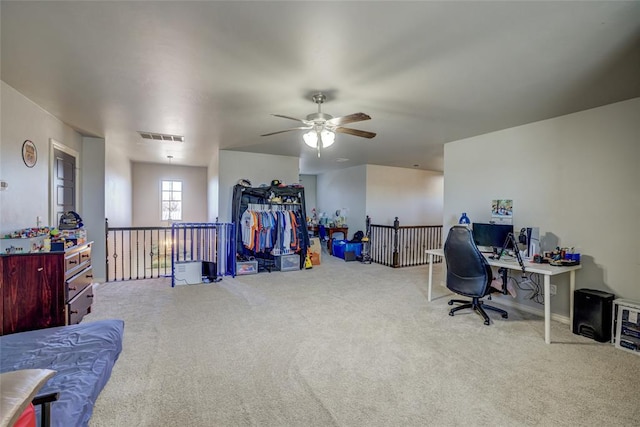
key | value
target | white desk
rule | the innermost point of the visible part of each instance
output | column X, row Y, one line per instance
column 545, row 269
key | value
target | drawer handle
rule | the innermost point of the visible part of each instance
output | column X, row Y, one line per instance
column 84, row 256
column 90, row 296
column 89, row 276
column 40, row 269
column 73, row 262
column 74, row 312
column 72, row 289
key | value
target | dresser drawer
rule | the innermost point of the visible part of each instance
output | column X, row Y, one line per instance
column 85, row 256
column 76, row 259
column 71, row 262
column 77, row 283
column 80, row 305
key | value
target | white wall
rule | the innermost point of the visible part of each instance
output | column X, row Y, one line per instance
column 213, row 184
column 118, row 199
column 310, row 184
column 576, row 177
column 344, row 188
column 382, row 192
column 27, row 196
column 257, row 168
column 146, row 178
column 93, row 208
column 414, row 196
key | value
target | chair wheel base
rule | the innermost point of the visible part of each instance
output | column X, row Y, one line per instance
column 486, row 322
column 450, row 303
column 451, row 313
column 505, row 316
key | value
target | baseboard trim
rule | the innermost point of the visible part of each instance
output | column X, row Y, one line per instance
column 509, row 302
column 532, row 310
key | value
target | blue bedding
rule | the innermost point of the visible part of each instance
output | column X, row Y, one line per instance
column 83, row 356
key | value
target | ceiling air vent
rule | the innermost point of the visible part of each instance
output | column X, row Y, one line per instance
column 161, row 137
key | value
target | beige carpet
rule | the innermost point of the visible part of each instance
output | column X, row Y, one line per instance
column 348, row 344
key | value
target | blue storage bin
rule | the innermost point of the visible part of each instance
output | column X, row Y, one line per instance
column 341, row 246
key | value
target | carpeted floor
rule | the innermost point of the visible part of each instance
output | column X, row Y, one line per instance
column 348, row 344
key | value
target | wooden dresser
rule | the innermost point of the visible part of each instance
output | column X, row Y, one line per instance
column 42, row 290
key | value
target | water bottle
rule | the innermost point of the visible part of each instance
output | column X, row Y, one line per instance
column 464, row 219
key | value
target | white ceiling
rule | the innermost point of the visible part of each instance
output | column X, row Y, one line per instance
column 426, row 72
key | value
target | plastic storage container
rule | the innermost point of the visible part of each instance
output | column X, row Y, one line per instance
column 345, row 250
column 288, row 262
column 246, row 267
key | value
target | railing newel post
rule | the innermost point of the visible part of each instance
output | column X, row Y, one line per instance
column 396, row 227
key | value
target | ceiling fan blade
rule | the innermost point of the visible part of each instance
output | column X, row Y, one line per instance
column 355, row 132
column 287, row 130
column 306, row 122
column 351, row 118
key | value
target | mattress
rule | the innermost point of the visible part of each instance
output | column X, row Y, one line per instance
column 83, row 356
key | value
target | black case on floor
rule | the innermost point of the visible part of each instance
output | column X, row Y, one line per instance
column 592, row 314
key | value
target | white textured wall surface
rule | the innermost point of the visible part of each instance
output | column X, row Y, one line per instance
column 93, row 201
column 27, row 196
column 310, row 183
column 213, row 184
column 147, row 179
column 258, row 168
column 414, row 196
column 576, row 177
column 344, row 188
column 118, row 187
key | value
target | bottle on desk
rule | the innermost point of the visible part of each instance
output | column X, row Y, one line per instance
column 464, row 219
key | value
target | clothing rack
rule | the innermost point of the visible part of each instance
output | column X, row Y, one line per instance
column 274, row 199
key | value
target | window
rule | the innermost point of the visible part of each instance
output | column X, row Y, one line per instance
column 171, row 200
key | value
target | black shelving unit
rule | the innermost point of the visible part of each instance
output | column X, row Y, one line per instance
column 290, row 196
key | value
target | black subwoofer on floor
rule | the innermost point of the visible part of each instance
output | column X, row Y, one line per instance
column 592, row 314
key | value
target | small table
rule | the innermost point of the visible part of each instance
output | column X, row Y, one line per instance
column 545, row 269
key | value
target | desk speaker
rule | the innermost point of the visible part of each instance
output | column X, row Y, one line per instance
column 592, row 314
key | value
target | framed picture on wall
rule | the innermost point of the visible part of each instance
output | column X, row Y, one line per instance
column 29, row 153
column 502, row 211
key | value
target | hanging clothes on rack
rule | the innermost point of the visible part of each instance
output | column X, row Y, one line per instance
column 272, row 229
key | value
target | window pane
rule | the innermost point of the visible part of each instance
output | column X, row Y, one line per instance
column 166, row 185
column 177, row 185
column 176, row 211
column 165, row 211
column 177, row 196
column 166, row 195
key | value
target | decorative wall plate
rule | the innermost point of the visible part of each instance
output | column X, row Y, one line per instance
column 29, row 153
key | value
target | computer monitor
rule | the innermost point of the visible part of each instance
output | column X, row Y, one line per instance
column 491, row 236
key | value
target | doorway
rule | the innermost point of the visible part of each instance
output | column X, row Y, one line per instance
column 63, row 181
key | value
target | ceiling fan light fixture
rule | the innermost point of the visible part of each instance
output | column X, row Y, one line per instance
column 311, row 139
column 328, row 138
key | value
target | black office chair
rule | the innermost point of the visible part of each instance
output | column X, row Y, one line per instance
column 468, row 273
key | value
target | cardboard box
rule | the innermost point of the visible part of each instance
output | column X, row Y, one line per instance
column 315, row 258
column 316, row 248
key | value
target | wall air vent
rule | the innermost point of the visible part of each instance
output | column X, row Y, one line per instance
column 161, row 137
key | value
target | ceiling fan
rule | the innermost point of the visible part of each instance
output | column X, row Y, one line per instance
column 323, row 127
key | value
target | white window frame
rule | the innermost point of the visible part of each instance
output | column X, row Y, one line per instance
column 170, row 200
